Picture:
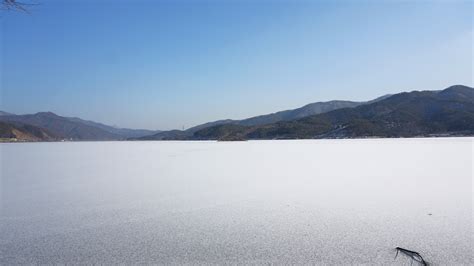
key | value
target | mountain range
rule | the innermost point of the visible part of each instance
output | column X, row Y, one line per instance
column 70, row 128
column 287, row 115
column 419, row 113
column 408, row 114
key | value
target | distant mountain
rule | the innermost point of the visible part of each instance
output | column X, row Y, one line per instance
column 2, row 113
column 287, row 115
column 167, row 135
column 74, row 128
column 417, row 113
column 22, row 132
column 307, row 110
column 122, row 132
column 62, row 127
column 191, row 130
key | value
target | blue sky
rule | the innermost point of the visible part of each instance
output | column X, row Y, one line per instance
column 169, row 64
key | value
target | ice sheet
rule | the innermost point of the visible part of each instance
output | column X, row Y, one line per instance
column 295, row 201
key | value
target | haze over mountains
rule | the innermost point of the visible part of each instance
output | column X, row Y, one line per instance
column 408, row 114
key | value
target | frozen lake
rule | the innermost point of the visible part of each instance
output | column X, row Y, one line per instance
column 311, row 201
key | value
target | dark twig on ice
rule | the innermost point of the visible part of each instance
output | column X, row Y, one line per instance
column 412, row 254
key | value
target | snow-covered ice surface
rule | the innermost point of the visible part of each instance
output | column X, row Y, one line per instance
column 255, row 202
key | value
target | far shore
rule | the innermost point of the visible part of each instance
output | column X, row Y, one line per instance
column 441, row 136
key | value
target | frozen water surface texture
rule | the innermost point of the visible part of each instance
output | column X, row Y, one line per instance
column 255, row 202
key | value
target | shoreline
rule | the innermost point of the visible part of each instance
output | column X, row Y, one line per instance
column 248, row 140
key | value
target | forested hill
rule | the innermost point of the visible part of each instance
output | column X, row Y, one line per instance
column 409, row 114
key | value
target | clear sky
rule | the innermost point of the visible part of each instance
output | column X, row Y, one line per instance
column 169, row 64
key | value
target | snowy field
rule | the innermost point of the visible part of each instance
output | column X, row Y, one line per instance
column 256, row 202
